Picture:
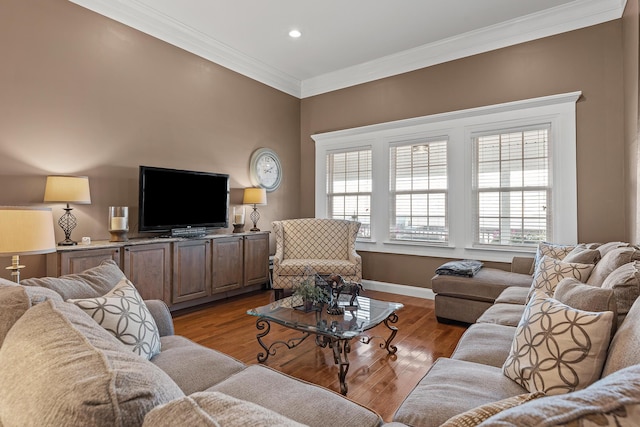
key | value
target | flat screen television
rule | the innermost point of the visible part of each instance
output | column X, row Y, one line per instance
column 172, row 199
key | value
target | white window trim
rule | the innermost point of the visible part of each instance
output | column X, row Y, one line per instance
column 559, row 110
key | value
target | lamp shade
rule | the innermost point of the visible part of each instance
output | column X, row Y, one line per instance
column 26, row 230
column 67, row 189
column 255, row 196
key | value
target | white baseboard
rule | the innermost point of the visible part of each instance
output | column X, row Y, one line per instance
column 392, row 288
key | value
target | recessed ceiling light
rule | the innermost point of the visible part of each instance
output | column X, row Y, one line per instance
column 295, row 34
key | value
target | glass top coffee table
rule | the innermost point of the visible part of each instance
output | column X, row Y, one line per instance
column 335, row 331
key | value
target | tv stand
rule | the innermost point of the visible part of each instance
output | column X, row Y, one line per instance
column 182, row 272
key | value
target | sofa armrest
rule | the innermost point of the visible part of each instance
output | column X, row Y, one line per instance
column 522, row 265
column 161, row 315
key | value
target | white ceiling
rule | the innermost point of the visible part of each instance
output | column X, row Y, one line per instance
column 347, row 42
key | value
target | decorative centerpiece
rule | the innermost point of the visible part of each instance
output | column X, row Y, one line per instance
column 311, row 295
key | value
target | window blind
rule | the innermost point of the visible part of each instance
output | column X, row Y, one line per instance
column 418, row 190
column 512, row 187
column 349, row 187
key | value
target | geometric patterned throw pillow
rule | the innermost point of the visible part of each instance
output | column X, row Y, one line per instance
column 550, row 272
column 124, row 314
column 558, row 349
column 551, row 250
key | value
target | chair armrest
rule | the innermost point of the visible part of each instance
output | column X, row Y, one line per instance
column 161, row 315
column 522, row 265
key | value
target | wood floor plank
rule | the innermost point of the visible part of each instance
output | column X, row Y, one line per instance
column 375, row 379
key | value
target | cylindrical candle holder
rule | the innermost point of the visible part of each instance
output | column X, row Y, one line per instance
column 118, row 223
column 238, row 219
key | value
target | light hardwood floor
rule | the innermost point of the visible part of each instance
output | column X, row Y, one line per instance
column 375, row 379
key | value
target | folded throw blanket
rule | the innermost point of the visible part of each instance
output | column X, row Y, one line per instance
column 465, row 267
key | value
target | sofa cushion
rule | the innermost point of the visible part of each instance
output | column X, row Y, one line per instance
column 550, row 272
column 625, row 283
column 613, row 400
column 513, row 295
column 611, row 261
column 558, row 349
column 485, row 343
column 124, row 314
column 91, row 283
column 58, row 367
column 214, row 409
column 625, row 345
column 194, row 367
column 475, row 416
column 297, row 267
column 486, row 285
column 451, row 388
column 503, row 314
column 15, row 300
column 292, row 397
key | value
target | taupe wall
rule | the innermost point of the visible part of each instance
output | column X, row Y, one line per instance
column 82, row 94
column 589, row 60
column 631, row 45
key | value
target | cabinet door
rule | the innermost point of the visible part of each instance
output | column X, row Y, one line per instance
column 191, row 270
column 77, row 261
column 149, row 269
column 227, row 264
column 256, row 259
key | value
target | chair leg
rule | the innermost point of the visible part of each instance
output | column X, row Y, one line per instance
column 279, row 293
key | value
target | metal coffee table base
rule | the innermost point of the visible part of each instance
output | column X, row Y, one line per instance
column 341, row 346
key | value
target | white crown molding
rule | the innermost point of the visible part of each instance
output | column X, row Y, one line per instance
column 568, row 17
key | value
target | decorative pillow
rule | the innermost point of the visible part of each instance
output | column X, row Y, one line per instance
column 585, row 297
column 558, row 349
column 614, row 400
column 583, row 255
column 550, row 250
column 124, row 314
column 625, row 283
column 610, row 262
column 551, row 271
column 91, row 283
column 15, row 300
column 213, row 408
column 475, row 416
column 59, row 368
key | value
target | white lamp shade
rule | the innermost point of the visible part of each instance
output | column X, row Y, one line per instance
column 255, row 196
column 67, row 189
column 26, row 230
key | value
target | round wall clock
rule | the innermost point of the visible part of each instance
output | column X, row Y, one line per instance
column 265, row 169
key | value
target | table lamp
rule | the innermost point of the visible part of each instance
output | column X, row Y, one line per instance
column 67, row 189
column 25, row 231
column 255, row 196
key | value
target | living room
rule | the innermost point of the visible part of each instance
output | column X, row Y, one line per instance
column 87, row 95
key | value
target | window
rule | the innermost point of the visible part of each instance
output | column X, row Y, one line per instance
column 485, row 183
column 512, row 188
column 349, row 188
column 418, row 191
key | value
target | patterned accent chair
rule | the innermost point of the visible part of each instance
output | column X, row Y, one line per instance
column 327, row 246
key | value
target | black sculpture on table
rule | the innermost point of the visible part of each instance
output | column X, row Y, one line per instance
column 336, row 286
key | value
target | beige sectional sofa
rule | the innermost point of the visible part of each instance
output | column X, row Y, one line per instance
column 59, row 367
column 529, row 332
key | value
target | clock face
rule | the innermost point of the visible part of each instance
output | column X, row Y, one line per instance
column 266, row 170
